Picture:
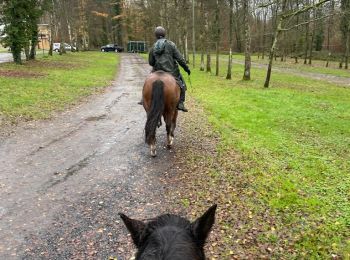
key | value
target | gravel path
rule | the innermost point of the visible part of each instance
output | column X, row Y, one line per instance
column 63, row 181
column 339, row 80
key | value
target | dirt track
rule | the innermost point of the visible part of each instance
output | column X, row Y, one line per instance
column 63, row 181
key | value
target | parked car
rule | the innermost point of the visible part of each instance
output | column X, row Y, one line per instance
column 112, row 47
column 67, row 47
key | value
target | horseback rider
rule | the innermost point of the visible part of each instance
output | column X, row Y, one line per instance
column 165, row 56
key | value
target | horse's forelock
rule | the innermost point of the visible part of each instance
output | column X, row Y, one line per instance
column 169, row 237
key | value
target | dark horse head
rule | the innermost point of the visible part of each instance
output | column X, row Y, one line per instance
column 171, row 237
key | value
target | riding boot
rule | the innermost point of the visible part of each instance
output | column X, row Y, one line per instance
column 181, row 105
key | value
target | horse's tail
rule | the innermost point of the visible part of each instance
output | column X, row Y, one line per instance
column 154, row 116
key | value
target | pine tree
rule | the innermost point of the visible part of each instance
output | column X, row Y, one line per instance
column 20, row 18
column 14, row 17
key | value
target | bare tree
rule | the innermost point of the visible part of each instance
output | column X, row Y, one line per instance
column 229, row 67
column 193, row 37
column 217, row 36
column 247, row 61
column 313, row 32
column 345, row 28
column 281, row 18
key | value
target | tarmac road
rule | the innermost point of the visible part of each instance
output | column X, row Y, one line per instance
column 63, row 181
column 5, row 57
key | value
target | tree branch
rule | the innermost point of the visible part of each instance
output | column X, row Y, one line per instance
column 304, row 23
column 267, row 4
column 303, row 10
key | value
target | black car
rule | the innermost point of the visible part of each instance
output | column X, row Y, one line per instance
column 112, row 47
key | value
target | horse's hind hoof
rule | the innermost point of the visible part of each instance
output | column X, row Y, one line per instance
column 153, row 153
column 170, row 142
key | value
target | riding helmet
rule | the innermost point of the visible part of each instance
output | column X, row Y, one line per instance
column 159, row 32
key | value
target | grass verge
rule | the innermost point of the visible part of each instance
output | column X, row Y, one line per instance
column 294, row 141
column 280, row 172
column 37, row 88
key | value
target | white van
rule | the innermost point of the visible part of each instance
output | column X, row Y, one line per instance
column 57, row 47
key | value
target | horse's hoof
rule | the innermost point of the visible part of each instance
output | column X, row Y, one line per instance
column 153, row 154
column 170, row 142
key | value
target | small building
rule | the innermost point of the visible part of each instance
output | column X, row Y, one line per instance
column 137, row 46
column 44, row 36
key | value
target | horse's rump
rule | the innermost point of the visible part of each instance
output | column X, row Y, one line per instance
column 161, row 95
column 171, row 90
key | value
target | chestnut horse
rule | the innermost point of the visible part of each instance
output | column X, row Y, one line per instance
column 161, row 95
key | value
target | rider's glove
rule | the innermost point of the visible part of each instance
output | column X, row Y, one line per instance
column 188, row 71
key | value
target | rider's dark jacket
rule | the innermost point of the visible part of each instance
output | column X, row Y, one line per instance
column 165, row 56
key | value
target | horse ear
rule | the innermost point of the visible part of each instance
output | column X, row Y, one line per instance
column 201, row 227
column 135, row 228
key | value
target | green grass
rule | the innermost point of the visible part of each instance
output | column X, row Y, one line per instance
column 295, row 139
column 51, row 83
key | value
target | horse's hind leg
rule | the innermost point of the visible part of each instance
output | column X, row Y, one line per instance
column 173, row 124
column 171, row 128
column 168, row 122
column 170, row 138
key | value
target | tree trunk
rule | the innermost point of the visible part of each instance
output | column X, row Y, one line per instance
column 306, row 40
column 217, row 60
column 229, row 67
column 306, row 44
column 32, row 50
column 208, row 45
column 193, row 38
column 16, row 53
column 208, row 61
column 27, row 51
column 186, row 49
column 329, row 28
column 202, row 61
column 217, row 37
column 347, row 48
column 341, row 62
column 51, row 32
column 347, row 44
column 34, row 43
column 237, row 28
column 313, row 33
column 330, row 24
column 201, row 36
column 247, row 62
column 263, row 38
column 328, row 57
column 272, row 52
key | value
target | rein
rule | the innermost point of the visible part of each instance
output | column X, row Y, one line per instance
column 189, row 80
